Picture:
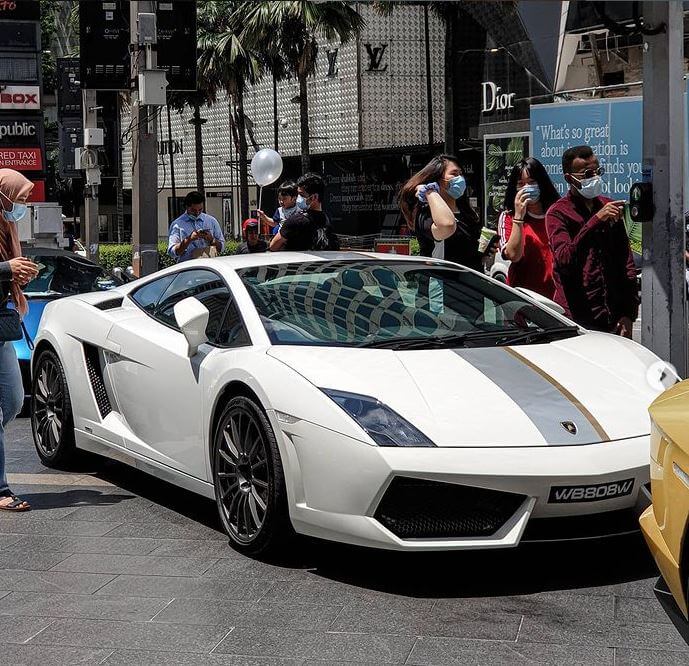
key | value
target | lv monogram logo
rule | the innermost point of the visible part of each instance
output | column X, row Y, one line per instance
column 333, row 69
column 375, row 57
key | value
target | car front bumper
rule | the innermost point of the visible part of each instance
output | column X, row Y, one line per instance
column 337, row 487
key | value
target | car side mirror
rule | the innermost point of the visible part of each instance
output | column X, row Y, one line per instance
column 192, row 318
column 542, row 300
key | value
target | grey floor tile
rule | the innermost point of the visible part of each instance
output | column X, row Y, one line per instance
column 245, row 566
column 77, row 544
column 245, row 614
column 166, row 530
column 131, row 635
column 46, row 526
column 199, row 547
column 92, row 606
column 30, row 560
column 650, row 657
column 292, row 644
column 239, row 589
column 430, row 651
column 145, row 565
column 131, row 509
column 148, row 658
column 320, row 590
column 384, row 616
column 52, row 581
column 43, row 655
column 634, row 609
column 8, row 540
column 21, row 629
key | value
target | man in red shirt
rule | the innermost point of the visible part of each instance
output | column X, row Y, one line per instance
column 593, row 266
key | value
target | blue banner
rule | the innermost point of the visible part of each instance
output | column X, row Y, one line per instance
column 613, row 129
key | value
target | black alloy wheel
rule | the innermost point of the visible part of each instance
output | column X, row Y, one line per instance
column 52, row 424
column 249, row 481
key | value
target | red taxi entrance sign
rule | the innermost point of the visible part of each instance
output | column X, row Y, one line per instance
column 393, row 247
column 21, row 159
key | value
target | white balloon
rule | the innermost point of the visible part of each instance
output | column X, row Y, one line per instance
column 266, row 166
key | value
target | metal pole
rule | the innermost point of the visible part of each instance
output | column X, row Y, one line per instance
column 275, row 113
column 144, row 159
column 429, row 84
column 90, row 228
column 172, row 165
column 664, row 304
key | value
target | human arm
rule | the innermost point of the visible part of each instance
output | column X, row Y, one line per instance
column 512, row 242
column 444, row 222
column 18, row 269
column 218, row 240
column 177, row 245
column 277, row 243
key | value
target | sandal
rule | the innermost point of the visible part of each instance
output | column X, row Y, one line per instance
column 15, row 505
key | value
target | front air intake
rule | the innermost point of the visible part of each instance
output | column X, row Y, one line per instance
column 95, row 373
column 420, row 509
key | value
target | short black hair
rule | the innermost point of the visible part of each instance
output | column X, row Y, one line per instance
column 193, row 198
column 312, row 184
column 571, row 154
column 288, row 189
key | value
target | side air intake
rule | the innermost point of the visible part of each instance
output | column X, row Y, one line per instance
column 110, row 304
column 95, row 372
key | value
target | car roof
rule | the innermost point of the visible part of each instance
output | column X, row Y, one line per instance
column 53, row 252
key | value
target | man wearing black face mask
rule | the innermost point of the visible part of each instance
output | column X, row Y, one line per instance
column 593, row 266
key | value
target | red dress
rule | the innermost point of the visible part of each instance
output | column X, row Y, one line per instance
column 535, row 269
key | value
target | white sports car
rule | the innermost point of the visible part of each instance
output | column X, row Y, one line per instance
column 402, row 403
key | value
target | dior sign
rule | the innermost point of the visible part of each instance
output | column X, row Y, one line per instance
column 494, row 100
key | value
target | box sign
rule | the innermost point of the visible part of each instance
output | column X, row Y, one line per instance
column 14, row 98
column 20, row 10
column 19, row 132
column 393, row 247
column 21, row 159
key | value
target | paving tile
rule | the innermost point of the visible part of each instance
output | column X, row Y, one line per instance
column 76, row 544
column 149, row 658
column 292, row 644
column 318, row 590
column 129, row 509
column 93, row 606
column 245, row 566
column 9, row 540
column 651, row 657
column 240, row 589
column 30, row 560
column 630, row 610
column 165, row 530
column 33, row 523
column 315, row 617
column 52, row 581
column 145, row 565
column 40, row 655
column 429, row 651
column 199, row 547
column 21, row 629
column 132, row 635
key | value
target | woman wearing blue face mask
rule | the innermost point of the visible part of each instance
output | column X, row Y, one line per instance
column 436, row 208
column 15, row 272
column 521, row 227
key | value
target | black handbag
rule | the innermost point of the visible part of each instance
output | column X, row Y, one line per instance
column 11, row 327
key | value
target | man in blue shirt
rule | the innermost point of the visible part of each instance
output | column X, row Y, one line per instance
column 195, row 233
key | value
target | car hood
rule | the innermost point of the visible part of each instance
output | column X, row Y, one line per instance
column 581, row 390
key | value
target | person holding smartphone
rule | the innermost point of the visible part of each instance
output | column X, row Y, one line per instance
column 593, row 265
column 195, row 234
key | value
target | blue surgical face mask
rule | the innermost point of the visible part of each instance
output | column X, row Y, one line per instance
column 590, row 188
column 533, row 191
column 302, row 204
column 456, row 187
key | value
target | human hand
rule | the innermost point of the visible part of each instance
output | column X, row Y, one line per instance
column 23, row 270
column 422, row 191
column 624, row 327
column 262, row 217
column 611, row 211
column 521, row 203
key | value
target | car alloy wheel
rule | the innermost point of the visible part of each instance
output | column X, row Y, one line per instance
column 51, row 413
column 249, row 482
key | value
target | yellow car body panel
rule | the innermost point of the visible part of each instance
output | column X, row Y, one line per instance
column 664, row 524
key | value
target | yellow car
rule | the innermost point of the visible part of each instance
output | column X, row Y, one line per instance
column 664, row 524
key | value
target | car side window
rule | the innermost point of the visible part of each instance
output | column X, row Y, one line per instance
column 207, row 287
column 147, row 297
column 232, row 332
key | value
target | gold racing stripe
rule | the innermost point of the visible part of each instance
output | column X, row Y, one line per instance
column 572, row 398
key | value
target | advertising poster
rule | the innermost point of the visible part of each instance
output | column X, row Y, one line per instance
column 613, row 129
column 501, row 153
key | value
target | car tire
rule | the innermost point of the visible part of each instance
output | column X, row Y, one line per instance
column 52, row 422
column 249, row 480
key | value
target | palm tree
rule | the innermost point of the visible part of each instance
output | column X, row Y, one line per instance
column 226, row 64
column 289, row 30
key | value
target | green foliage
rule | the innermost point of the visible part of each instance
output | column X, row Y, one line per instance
column 414, row 247
column 112, row 255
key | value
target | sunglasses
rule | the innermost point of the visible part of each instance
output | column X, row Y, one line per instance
column 589, row 173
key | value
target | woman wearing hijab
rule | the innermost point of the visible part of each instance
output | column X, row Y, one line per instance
column 15, row 272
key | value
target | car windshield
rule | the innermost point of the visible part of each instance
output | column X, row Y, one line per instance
column 403, row 305
column 65, row 275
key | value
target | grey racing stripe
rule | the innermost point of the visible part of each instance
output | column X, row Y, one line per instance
column 541, row 399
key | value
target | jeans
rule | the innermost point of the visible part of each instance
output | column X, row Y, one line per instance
column 11, row 400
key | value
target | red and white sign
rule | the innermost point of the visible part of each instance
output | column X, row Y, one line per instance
column 38, row 193
column 21, row 159
column 393, row 247
column 13, row 98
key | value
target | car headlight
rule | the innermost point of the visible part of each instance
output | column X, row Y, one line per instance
column 385, row 426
